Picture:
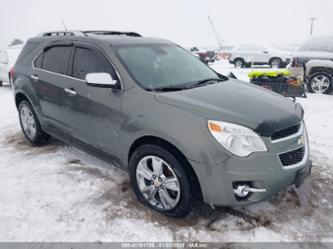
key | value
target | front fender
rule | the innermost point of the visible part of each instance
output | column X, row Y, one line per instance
column 312, row 64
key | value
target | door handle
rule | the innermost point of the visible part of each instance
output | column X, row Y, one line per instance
column 70, row 92
column 34, row 77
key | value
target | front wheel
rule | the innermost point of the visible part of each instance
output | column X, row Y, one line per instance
column 30, row 124
column 320, row 82
column 160, row 181
column 1, row 83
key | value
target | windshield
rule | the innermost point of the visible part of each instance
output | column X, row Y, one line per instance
column 324, row 44
column 155, row 66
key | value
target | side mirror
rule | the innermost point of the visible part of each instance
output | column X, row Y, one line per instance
column 104, row 80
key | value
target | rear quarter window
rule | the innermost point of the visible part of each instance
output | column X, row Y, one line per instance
column 27, row 54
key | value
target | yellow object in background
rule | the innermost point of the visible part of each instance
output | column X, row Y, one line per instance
column 271, row 73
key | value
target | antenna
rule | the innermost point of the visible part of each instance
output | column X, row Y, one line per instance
column 63, row 23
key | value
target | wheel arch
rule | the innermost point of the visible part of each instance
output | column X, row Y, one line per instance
column 275, row 57
column 319, row 69
column 314, row 66
column 19, row 97
column 175, row 151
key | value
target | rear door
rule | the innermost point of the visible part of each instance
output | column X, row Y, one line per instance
column 93, row 114
column 50, row 78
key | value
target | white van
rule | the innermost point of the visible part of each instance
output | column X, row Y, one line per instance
column 8, row 58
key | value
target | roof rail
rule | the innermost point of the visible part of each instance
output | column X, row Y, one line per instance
column 110, row 32
column 62, row 33
column 88, row 33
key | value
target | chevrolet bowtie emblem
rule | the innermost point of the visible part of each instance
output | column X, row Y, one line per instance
column 301, row 140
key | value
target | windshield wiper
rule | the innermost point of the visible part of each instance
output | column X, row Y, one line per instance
column 206, row 82
column 170, row 88
column 188, row 86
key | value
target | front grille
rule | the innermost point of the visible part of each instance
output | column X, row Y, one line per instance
column 286, row 132
column 292, row 157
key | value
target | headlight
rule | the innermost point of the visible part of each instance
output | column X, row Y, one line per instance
column 237, row 139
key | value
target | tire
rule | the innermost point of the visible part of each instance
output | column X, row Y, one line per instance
column 320, row 82
column 239, row 63
column 275, row 63
column 30, row 124
column 182, row 201
column 1, row 83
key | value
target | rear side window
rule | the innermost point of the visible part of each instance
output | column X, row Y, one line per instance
column 90, row 61
column 55, row 59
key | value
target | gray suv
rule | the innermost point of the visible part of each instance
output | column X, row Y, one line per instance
column 186, row 134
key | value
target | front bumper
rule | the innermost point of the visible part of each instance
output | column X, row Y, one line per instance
column 263, row 169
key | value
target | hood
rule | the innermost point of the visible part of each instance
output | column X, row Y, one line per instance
column 237, row 102
column 313, row 55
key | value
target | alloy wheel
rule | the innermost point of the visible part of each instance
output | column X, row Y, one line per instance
column 28, row 122
column 158, row 182
column 275, row 63
column 320, row 83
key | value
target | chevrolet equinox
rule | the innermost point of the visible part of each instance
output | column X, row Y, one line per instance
column 185, row 133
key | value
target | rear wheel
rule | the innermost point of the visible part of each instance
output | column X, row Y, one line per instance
column 320, row 82
column 160, row 182
column 1, row 83
column 239, row 63
column 275, row 63
column 30, row 124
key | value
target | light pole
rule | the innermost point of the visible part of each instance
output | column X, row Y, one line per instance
column 312, row 20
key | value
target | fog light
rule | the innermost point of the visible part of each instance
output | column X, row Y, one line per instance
column 242, row 190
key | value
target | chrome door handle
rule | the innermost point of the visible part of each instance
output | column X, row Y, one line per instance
column 70, row 92
column 34, row 77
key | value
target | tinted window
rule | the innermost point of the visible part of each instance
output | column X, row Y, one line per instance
column 38, row 61
column 90, row 61
column 161, row 65
column 56, row 59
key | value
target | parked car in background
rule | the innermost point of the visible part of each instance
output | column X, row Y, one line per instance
column 314, row 62
column 246, row 55
column 185, row 133
column 8, row 58
column 206, row 56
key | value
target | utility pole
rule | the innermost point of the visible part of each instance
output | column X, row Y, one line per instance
column 312, row 20
column 217, row 37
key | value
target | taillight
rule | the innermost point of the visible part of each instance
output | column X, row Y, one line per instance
column 11, row 74
column 298, row 61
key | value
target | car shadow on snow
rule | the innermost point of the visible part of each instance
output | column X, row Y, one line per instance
column 21, row 144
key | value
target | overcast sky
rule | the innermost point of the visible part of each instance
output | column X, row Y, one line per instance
column 182, row 21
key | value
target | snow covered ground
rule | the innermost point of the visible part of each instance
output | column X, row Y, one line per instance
column 58, row 193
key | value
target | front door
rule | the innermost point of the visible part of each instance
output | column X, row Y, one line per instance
column 93, row 113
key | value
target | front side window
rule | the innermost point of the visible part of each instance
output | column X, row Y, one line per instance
column 156, row 66
column 90, row 61
column 55, row 59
